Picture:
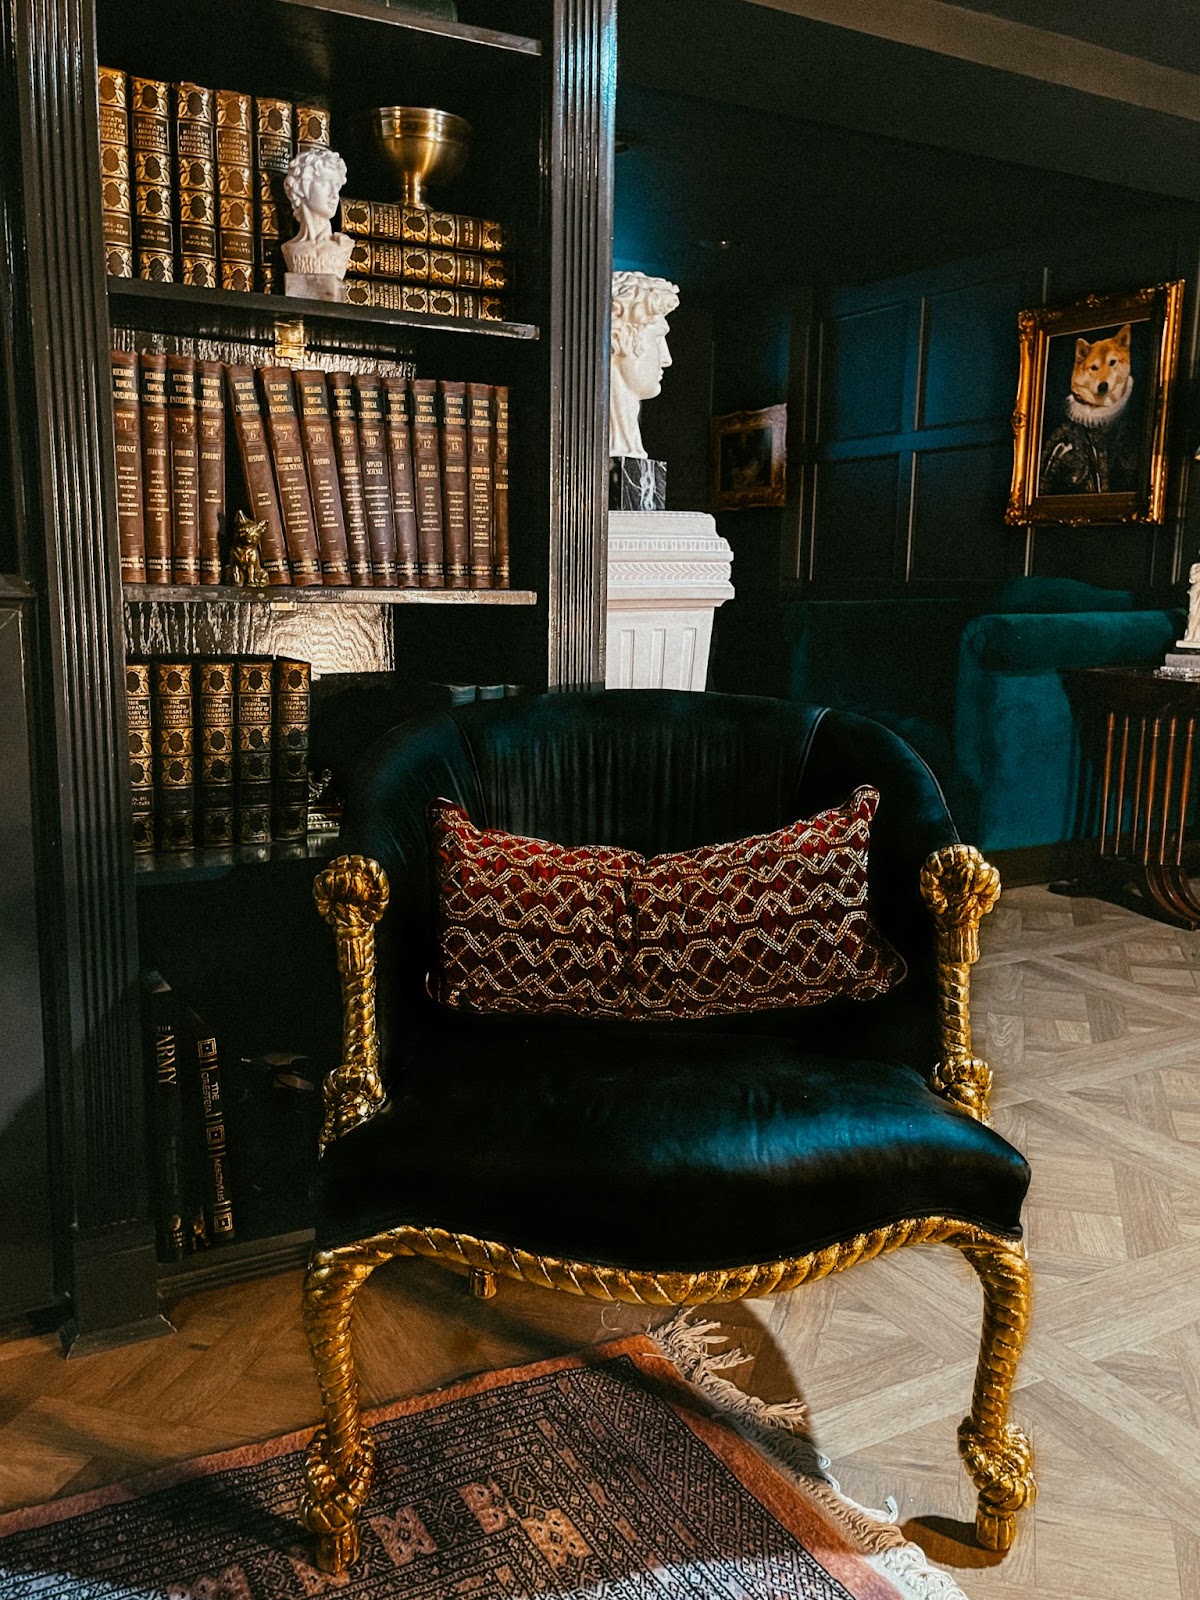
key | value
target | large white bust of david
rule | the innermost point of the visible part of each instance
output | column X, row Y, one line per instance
column 640, row 306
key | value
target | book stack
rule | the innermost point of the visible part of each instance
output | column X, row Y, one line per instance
column 361, row 479
column 205, row 206
column 437, row 263
column 193, row 1205
column 218, row 751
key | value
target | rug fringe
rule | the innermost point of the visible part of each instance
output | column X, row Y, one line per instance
column 781, row 1431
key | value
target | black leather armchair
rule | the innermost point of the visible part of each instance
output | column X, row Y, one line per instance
column 668, row 1163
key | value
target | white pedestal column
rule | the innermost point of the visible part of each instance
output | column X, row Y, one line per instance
column 668, row 571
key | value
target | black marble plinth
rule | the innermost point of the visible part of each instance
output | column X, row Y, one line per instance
column 636, row 484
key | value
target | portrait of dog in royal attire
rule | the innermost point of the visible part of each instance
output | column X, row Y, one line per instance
column 1095, row 448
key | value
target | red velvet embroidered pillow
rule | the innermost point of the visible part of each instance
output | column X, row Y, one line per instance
column 777, row 920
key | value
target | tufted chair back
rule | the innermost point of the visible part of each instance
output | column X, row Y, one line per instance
column 654, row 771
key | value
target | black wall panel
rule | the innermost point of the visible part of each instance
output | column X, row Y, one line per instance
column 858, row 503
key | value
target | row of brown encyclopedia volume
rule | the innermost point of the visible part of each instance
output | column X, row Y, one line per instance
column 218, row 751
column 361, row 480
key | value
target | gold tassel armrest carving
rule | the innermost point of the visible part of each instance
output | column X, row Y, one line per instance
column 352, row 894
column 960, row 888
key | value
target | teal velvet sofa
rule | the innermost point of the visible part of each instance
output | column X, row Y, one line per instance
column 977, row 688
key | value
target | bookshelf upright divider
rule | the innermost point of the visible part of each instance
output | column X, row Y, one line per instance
column 539, row 91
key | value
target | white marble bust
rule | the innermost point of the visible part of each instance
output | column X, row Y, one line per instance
column 640, row 306
column 313, row 184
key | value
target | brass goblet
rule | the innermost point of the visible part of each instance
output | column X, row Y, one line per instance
column 423, row 146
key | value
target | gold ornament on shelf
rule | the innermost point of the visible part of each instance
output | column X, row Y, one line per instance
column 245, row 568
column 423, row 146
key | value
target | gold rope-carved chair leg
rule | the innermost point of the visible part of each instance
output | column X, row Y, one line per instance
column 995, row 1452
column 338, row 1475
column 960, row 888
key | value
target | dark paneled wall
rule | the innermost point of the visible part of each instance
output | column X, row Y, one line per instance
column 913, row 449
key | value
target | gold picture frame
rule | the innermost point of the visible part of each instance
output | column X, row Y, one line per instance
column 1093, row 407
column 749, row 458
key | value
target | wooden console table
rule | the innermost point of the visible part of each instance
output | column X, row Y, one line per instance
column 1150, row 746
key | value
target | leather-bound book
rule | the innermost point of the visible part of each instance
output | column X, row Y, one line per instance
column 385, row 219
column 345, row 444
column 479, row 484
column 141, row 754
column 274, row 136
column 156, row 466
column 427, row 471
column 257, row 472
column 185, row 470
column 291, row 478
column 501, row 573
column 252, row 713
column 312, row 128
column 376, row 478
column 376, row 258
column 215, row 752
column 150, row 146
column 210, row 434
column 196, row 185
column 356, row 218
column 492, row 308
column 401, row 442
column 316, row 434
column 174, row 756
column 127, row 439
column 160, row 1023
column 116, row 190
column 453, row 401
column 493, row 237
column 200, row 1061
column 443, row 229
column 293, row 689
column 235, row 190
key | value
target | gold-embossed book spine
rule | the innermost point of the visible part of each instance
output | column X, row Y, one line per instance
column 291, row 475
column 116, row 189
column 501, row 567
column 377, row 479
column 293, row 688
column 479, row 482
column 156, row 465
column 452, row 397
column 414, row 553
column 252, row 713
column 235, row 190
column 349, row 464
column 196, row 185
column 215, row 737
column 185, row 470
column 174, row 756
column 141, row 754
column 313, row 128
column 205, row 1103
column 127, row 444
column 274, row 143
column 210, row 438
column 258, row 475
column 150, row 146
column 316, row 433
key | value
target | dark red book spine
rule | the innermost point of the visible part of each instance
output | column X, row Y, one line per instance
column 316, row 433
column 401, row 460
column 127, row 430
column 427, row 469
column 156, row 467
column 349, row 463
column 210, row 427
column 291, row 478
column 501, row 574
column 376, row 478
column 185, row 470
column 259, row 475
column 479, row 486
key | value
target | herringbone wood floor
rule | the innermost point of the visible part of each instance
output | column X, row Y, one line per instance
column 1091, row 1017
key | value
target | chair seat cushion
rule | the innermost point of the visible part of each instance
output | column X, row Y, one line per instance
column 659, row 1146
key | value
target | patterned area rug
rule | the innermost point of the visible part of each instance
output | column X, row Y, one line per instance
column 605, row 1475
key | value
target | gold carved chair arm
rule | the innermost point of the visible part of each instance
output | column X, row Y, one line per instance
column 960, row 888
column 352, row 894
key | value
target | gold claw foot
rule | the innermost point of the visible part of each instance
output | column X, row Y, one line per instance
column 965, row 1081
column 1002, row 1471
column 330, row 1506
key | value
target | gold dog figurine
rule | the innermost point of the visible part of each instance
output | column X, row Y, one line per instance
column 245, row 567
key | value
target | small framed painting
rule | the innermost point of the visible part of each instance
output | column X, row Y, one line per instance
column 749, row 456
column 1093, row 405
